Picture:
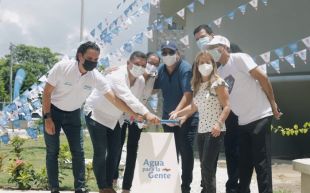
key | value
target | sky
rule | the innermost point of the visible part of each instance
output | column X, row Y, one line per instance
column 56, row 23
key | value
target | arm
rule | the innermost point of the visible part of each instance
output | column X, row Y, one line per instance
column 223, row 97
column 185, row 113
column 263, row 80
column 46, row 100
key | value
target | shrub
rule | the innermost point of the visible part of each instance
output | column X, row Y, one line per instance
column 296, row 130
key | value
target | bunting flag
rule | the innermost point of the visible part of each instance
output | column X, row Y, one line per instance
column 202, row 2
column 254, row 4
column 154, row 2
column 191, row 7
column 293, row 47
column 266, row 57
column 169, row 20
column 279, row 52
column 146, row 7
column 100, row 26
column 185, row 40
column 291, row 60
column 5, row 138
column 128, row 47
column 93, row 33
column 118, row 6
column 32, row 133
column 265, row 2
column 19, row 79
column 242, row 8
column 263, row 67
column 149, row 34
column 139, row 38
column 181, row 13
column 105, row 62
column 306, row 41
column 160, row 26
column 276, row 65
column 115, row 30
column 231, row 15
column 218, row 22
column 302, row 55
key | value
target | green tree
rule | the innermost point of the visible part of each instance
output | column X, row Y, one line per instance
column 36, row 62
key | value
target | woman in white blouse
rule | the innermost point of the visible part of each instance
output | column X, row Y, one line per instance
column 211, row 101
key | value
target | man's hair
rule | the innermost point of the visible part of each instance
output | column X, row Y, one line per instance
column 206, row 27
column 85, row 46
column 137, row 54
column 149, row 54
column 234, row 48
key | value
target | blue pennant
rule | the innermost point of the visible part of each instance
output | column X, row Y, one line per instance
column 146, row 7
column 128, row 47
column 231, row 15
column 107, row 38
column 169, row 20
column 160, row 27
column 202, row 2
column 293, row 47
column 115, row 30
column 105, row 62
column 290, row 59
column 265, row 2
column 100, row 26
column 32, row 133
column 191, row 7
column 279, row 52
column 276, row 65
column 139, row 38
column 93, row 33
column 118, row 6
column 242, row 8
column 5, row 138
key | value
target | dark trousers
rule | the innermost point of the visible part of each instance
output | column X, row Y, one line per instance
column 255, row 152
column 134, row 133
column 209, row 149
column 106, row 143
column 184, row 139
column 231, row 143
column 70, row 122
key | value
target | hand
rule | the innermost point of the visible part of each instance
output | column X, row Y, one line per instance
column 276, row 112
column 139, row 118
column 173, row 115
column 110, row 69
column 152, row 118
column 216, row 130
column 49, row 126
column 182, row 119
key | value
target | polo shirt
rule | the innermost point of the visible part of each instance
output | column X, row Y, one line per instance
column 173, row 85
column 71, row 87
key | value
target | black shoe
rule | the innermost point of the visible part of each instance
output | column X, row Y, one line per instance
column 55, row 191
column 83, row 190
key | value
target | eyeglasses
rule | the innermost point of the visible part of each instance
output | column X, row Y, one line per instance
column 170, row 52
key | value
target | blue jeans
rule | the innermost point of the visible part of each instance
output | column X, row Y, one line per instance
column 70, row 122
column 184, row 139
column 106, row 144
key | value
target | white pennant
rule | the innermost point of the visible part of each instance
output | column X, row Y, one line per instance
column 149, row 34
column 263, row 67
column 218, row 22
column 185, row 40
column 302, row 55
column 254, row 4
column 154, row 2
column 181, row 13
column 128, row 21
column 266, row 57
column 306, row 41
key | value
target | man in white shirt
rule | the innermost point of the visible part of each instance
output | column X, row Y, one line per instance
column 69, row 83
column 252, row 100
column 102, row 118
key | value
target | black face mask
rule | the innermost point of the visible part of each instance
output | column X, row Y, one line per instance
column 89, row 65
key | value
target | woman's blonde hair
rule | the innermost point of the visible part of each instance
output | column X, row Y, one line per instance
column 206, row 57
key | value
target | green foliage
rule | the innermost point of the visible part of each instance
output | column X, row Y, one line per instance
column 89, row 172
column 64, row 157
column 17, row 144
column 2, row 157
column 41, row 180
column 296, row 130
column 36, row 62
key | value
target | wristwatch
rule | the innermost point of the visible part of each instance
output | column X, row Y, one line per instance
column 47, row 115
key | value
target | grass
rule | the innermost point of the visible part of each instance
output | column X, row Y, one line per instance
column 34, row 153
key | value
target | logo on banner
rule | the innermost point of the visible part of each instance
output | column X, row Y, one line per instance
column 156, row 169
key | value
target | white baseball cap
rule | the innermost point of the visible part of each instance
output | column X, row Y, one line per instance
column 219, row 40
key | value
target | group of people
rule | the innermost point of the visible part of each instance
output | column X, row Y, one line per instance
column 223, row 96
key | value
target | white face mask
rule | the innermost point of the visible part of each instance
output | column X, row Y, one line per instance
column 205, row 69
column 170, row 60
column 151, row 69
column 137, row 71
column 216, row 55
column 202, row 42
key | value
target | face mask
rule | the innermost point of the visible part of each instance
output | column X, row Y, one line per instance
column 202, row 42
column 137, row 71
column 216, row 55
column 205, row 69
column 169, row 60
column 150, row 69
column 89, row 65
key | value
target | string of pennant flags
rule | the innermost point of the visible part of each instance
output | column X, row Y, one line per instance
column 294, row 51
column 159, row 23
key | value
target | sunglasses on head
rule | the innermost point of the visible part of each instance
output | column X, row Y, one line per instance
column 168, row 52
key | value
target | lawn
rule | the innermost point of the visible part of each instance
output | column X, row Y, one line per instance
column 34, row 152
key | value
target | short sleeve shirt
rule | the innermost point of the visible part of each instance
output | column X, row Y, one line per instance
column 71, row 87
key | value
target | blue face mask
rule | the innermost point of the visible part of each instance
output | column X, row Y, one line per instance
column 202, row 42
column 216, row 55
